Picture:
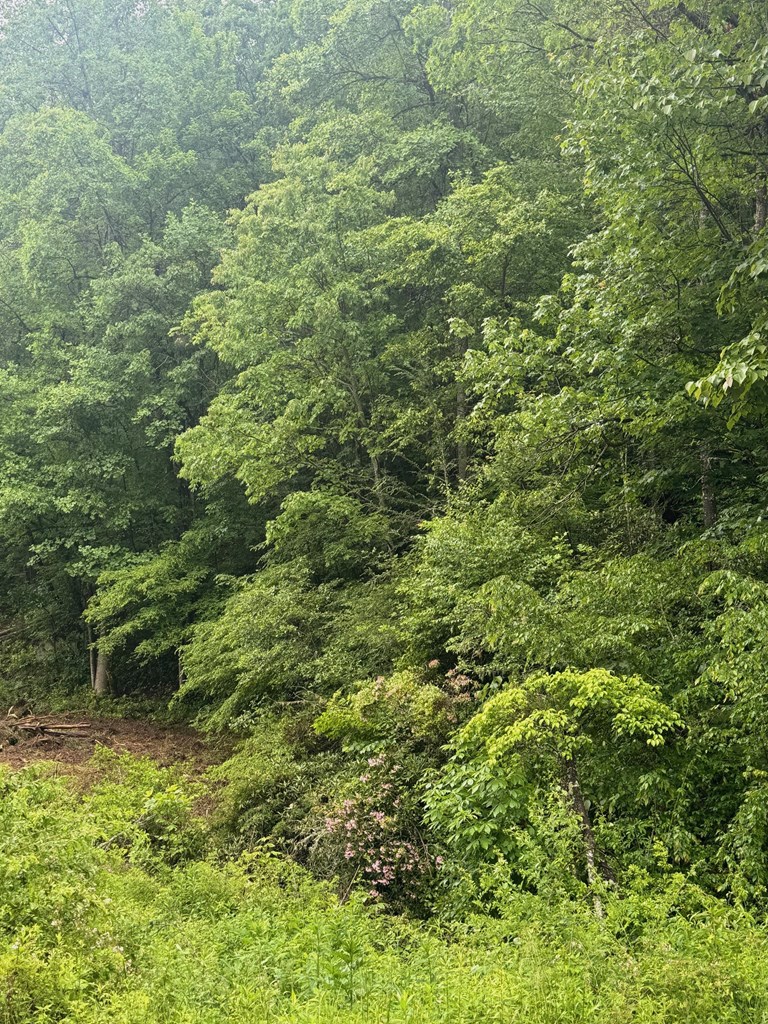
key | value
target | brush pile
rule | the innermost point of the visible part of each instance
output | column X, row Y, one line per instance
column 14, row 728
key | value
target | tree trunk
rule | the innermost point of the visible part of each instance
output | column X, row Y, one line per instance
column 462, row 457
column 590, row 846
column 101, row 683
column 91, row 655
column 761, row 208
column 377, row 481
column 462, row 454
column 761, row 191
column 708, row 499
column 375, row 465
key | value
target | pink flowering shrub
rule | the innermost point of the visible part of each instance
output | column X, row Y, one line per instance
column 379, row 837
column 376, row 836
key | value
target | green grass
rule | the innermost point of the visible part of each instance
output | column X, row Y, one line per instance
column 110, row 912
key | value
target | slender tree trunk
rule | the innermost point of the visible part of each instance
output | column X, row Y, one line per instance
column 462, row 454
column 761, row 192
column 761, row 208
column 462, row 457
column 375, row 465
column 377, row 482
column 625, row 493
column 102, row 684
column 91, row 655
column 708, row 499
column 590, row 846
column 445, row 459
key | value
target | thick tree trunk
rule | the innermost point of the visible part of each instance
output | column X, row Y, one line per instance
column 590, row 846
column 102, row 684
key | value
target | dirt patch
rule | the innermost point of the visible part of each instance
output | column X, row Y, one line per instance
column 166, row 745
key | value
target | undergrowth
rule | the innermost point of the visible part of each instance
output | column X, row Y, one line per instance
column 115, row 907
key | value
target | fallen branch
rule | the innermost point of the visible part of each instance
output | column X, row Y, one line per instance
column 48, row 726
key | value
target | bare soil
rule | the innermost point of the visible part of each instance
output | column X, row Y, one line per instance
column 164, row 744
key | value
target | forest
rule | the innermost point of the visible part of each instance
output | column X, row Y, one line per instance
column 383, row 394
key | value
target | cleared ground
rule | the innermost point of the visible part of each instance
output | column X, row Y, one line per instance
column 73, row 747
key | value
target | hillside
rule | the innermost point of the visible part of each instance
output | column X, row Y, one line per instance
column 382, row 438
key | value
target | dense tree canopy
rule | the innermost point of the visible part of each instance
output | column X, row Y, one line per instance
column 385, row 380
